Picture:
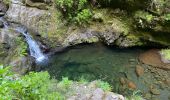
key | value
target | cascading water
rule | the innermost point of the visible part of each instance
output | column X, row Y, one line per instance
column 34, row 48
column 5, row 23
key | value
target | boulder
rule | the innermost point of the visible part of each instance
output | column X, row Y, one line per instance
column 87, row 36
column 32, row 18
column 153, row 58
column 97, row 94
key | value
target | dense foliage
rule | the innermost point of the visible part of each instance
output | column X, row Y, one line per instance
column 75, row 10
column 38, row 86
column 34, row 86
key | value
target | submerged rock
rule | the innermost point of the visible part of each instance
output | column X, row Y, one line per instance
column 155, row 91
column 131, row 85
column 139, row 70
column 153, row 58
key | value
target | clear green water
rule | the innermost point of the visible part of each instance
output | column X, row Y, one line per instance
column 97, row 61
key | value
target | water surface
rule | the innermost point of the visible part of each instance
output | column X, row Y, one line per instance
column 97, row 61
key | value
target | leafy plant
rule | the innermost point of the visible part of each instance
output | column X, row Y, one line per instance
column 167, row 17
column 104, row 85
column 22, row 49
column 65, row 83
column 34, row 86
column 74, row 10
column 144, row 16
column 83, row 16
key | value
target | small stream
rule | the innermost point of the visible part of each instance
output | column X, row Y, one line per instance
column 110, row 64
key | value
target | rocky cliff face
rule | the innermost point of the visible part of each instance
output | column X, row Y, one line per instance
column 114, row 27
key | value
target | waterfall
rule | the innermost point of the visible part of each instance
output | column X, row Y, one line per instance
column 34, row 48
column 5, row 23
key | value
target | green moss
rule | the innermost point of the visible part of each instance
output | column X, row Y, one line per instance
column 165, row 53
column 93, row 40
column 120, row 23
column 142, row 15
column 21, row 47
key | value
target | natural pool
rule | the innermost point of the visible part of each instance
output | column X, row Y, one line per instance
column 97, row 61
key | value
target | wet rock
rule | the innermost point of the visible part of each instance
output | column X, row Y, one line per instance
column 21, row 65
column 139, row 70
column 2, row 14
column 20, row 2
column 131, row 85
column 87, row 36
column 153, row 58
column 1, row 24
column 97, row 94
